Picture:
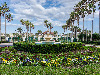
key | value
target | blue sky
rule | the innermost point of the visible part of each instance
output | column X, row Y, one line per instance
column 56, row 12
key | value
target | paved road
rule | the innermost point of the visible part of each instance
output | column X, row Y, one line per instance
column 6, row 44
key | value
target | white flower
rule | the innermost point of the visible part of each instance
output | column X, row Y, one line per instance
column 27, row 57
column 90, row 60
column 96, row 61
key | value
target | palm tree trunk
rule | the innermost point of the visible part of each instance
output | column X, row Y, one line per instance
column 0, row 27
column 27, row 32
column 83, row 28
column 72, row 28
column 5, row 27
column 74, row 33
column 86, row 34
column 92, row 30
column 30, row 31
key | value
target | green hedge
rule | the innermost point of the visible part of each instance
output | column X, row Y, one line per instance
column 47, row 48
column 91, row 42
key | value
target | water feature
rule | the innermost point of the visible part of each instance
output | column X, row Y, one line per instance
column 47, row 40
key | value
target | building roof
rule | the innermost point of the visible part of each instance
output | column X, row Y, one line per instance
column 52, row 33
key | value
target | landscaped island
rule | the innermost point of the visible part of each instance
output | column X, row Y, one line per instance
column 60, row 59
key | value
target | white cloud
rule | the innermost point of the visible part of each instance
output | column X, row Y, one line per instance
column 34, row 11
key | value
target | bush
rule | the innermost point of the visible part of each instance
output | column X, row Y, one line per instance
column 46, row 48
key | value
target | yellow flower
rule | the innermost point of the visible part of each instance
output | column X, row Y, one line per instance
column 43, row 61
column 87, row 57
column 76, row 58
column 69, row 59
column 58, row 58
column 84, row 60
column 55, row 63
column 93, row 55
column 30, row 59
column 48, row 63
column 68, row 63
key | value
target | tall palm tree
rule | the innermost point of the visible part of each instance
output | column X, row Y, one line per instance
column 3, row 9
column 26, row 23
column 64, row 27
column 46, row 24
column 50, row 27
column 99, row 16
column 9, row 19
column 31, row 26
column 72, row 16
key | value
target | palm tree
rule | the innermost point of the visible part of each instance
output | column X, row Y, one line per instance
column 64, row 27
column 55, row 32
column 39, row 32
column 3, row 9
column 50, row 27
column 19, row 30
column 31, row 26
column 9, row 19
column 26, row 23
column 72, row 16
column 99, row 17
column 45, row 24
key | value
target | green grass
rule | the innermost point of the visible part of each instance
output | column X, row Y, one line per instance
column 92, row 69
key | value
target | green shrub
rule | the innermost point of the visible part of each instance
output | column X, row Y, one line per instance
column 46, row 48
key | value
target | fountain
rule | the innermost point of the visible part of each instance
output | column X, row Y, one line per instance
column 47, row 40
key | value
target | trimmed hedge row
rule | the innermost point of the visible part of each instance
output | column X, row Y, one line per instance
column 92, row 42
column 47, row 48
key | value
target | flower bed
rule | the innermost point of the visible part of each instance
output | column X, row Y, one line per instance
column 68, row 59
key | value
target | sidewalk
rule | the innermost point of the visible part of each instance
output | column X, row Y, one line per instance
column 6, row 44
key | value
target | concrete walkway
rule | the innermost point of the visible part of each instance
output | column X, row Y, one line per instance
column 6, row 44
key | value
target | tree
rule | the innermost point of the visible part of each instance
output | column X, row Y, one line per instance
column 9, row 19
column 39, row 32
column 19, row 30
column 26, row 23
column 45, row 24
column 3, row 9
column 50, row 27
column 64, row 27
column 55, row 32
column 72, row 16
column 31, row 26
